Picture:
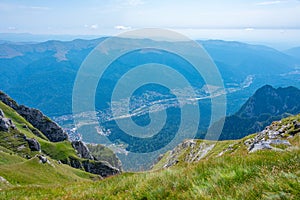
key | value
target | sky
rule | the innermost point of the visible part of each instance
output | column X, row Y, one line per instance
column 266, row 21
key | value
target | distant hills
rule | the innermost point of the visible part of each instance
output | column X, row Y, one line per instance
column 266, row 105
column 41, row 75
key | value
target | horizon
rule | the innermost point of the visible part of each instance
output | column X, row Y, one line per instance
column 39, row 38
column 268, row 22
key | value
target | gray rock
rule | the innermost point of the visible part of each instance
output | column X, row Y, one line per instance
column 43, row 159
column 3, row 180
column 34, row 145
column 8, row 101
column 82, row 150
column 1, row 113
column 296, row 124
column 5, row 123
column 49, row 128
column 101, row 168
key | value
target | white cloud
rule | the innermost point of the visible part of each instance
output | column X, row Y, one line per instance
column 120, row 27
column 92, row 27
column 11, row 28
column 249, row 29
column 266, row 3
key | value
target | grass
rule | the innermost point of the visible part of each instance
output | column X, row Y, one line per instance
column 59, row 150
column 20, row 122
column 260, row 175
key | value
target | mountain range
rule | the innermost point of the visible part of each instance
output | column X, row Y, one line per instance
column 42, row 75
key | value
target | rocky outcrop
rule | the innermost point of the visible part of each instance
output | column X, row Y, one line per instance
column 5, row 123
column 49, row 128
column 102, row 168
column 82, row 150
column 188, row 151
column 8, row 101
column 273, row 136
column 33, row 144
column 43, row 159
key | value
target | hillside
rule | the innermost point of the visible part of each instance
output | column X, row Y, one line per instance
column 231, row 170
column 29, row 138
column 266, row 105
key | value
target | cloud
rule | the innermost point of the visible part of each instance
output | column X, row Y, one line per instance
column 267, row 3
column 92, row 27
column 12, row 28
column 249, row 29
column 120, row 27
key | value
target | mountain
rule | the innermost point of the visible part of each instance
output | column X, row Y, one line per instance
column 295, row 52
column 260, row 166
column 42, row 75
column 28, row 137
column 266, row 105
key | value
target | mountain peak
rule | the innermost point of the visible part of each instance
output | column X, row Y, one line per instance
column 272, row 101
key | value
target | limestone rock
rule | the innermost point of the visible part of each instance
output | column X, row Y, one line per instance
column 34, row 145
column 82, row 150
column 49, row 128
column 101, row 168
column 43, row 159
column 5, row 123
column 275, row 134
column 3, row 180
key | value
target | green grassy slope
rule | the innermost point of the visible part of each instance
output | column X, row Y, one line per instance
column 18, row 170
column 58, row 151
column 236, row 174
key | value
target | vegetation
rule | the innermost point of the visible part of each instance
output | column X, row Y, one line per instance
column 103, row 153
column 261, row 175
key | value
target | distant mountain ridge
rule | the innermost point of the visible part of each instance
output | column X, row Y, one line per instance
column 42, row 75
column 266, row 105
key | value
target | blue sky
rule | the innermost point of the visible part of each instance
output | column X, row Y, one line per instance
column 265, row 20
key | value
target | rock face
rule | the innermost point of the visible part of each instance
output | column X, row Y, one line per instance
column 5, row 123
column 49, row 128
column 102, row 168
column 82, row 150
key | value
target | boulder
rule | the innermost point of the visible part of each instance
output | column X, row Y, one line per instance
column 43, row 159
column 5, row 123
column 34, row 145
